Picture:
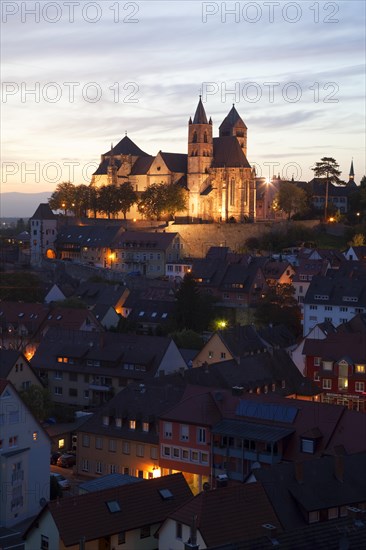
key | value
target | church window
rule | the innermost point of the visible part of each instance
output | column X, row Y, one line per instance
column 194, row 137
column 232, row 192
column 205, row 137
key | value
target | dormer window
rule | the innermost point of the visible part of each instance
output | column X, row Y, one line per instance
column 307, row 445
column 132, row 424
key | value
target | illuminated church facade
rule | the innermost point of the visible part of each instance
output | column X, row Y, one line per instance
column 215, row 172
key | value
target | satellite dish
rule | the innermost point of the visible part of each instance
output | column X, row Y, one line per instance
column 42, row 502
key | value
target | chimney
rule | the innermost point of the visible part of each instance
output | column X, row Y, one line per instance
column 299, row 472
column 339, row 467
column 270, row 531
column 191, row 543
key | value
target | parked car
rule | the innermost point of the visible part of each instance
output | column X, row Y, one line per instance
column 54, row 457
column 66, row 461
column 62, row 481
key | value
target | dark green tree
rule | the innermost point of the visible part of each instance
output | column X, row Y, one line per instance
column 187, row 338
column 93, row 197
column 151, row 204
column 291, row 199
column 21, row 286
column 38, row 400
column 173, row 199
column 126, row 197
column 193, row 311
column 108, row 201
column 327, row 169
column 55, row 489
column 279, row 306
column 81, row 201
column 63, row 198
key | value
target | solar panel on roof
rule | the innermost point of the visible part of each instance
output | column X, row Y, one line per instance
column 267, row 411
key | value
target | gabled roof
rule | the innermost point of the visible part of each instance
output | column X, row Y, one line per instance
column 336, row 346
column 88, row 235
column 43, row 212
column 126, row 147
column 241, row 340
column 8, row 359
column 157, row 241
column 203, row 408
column 113, row 350
column 71, row 318
column 103, row 166
column 228, row 153
column 142, row 165
column 137, row 505
column 229, row 513
column 143, row 403
column 30, row 315
column 313, row 485
column 176, row 162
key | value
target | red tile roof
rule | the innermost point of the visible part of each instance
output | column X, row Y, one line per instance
column 140, row 504
column 229, row 514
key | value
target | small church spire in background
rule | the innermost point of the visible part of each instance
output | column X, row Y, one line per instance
column 351, row 172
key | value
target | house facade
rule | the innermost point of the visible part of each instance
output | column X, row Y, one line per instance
column 336, row 297
column 24, row 459
column 86, row 369
column 43, row 233
column 337, row 364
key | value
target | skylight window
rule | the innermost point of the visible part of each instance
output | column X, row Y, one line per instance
column 59, row 317
column 141, row 313
column 20, row 314
column 165, row 494
column 113, row 506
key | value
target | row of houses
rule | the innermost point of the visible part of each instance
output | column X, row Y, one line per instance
column 320, row 503
column 316, row 493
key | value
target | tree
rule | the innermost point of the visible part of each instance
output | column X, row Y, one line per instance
column 279, row 306
column 328, row 169
column 151, row 204
column 126, row 197
column 357, row 240
column 108, row 201
column 19, row 286
column 161, row 197
column 290, row 198
column 173, row 199
column 38, row 400
column 187, row 338
column 55, row 489
column 81, row 201
column 193, row 311
column 93, row 197
column 63, row 197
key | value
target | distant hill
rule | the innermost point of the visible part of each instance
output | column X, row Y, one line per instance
column 21, row 205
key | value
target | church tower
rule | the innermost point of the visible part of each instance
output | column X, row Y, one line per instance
column 233, row 125
column 351, row 182
column 200, row 154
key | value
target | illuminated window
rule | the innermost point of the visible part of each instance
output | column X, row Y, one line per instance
column 132, row 424
column 145, row 426
column 35, row 436
column 360, row 368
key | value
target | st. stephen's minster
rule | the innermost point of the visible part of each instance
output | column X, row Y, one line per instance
column 215, row 171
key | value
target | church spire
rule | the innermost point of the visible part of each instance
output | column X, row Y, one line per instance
column 351, row 172
column 200, row 114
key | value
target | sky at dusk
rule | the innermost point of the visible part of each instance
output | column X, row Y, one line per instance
column 77, row 75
